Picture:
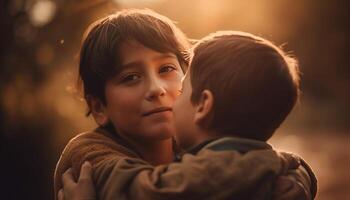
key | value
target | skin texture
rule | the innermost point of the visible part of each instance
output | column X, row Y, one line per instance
column 184, row 115
column 192, row 119
column 148, row 80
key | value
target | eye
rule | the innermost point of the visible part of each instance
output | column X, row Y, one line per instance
column 167, row 69
column 130, row 78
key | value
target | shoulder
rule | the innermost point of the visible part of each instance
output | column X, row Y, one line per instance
column 94, row 145
column 89, row 139
column 97, row 147
column 97, row 141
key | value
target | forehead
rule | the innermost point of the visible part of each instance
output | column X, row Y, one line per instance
column 132, row 51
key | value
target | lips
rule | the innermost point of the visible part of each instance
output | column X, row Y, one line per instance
column 157, row 110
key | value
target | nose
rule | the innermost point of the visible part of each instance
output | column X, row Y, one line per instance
column 156, row 89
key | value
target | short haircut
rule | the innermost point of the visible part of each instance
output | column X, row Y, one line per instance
column 254, row 83
column 99, row 57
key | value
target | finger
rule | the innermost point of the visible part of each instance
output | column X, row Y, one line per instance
column 294, row 193
column 286, row 188
column 67, row 177
column 60, row 195
column 85, row 171
column 282, row 184
column 290, row 161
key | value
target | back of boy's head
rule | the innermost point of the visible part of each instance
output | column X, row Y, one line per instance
column 255, row 84
column 99, row 56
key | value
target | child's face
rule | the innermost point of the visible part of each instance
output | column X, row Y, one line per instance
column 184, row 112
column 140, row 98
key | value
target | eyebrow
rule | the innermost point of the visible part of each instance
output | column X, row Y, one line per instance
column 131, row 65
column 164, row 56
column 139, row 63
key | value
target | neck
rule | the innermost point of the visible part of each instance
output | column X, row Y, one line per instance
column 203, row 136
column 206, row 135
column 157, row 152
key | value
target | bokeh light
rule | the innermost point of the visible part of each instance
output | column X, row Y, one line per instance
column 42, row 12
column 40, row 107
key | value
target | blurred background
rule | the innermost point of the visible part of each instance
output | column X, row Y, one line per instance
column 40, row 109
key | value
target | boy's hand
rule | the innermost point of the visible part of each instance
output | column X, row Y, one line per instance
column 294, row 181
column 289, row 162
column 287, row 188
column 83, row 189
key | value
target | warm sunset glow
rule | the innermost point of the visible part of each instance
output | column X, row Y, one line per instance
column 41, row 108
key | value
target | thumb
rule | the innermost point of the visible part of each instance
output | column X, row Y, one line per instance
column 85, row 171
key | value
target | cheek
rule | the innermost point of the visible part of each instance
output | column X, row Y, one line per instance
column 180, row 109
column 173, row 87
column 177, row 107
column 123, row 104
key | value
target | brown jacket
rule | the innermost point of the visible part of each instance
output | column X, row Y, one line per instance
column 120, row 174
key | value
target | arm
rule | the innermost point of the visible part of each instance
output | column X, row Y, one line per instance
column 119, row 174
column 295, row 185
column 210, row 175
column 300, row 183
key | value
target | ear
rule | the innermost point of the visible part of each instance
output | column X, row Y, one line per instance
column 98, row 110
column 204, row 108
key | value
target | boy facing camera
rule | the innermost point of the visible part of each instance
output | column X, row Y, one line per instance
column 238, row 90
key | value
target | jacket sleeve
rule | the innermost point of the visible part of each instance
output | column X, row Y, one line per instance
column 308, row 179
column 300, row 183
column 209, row 175
column 120, row 175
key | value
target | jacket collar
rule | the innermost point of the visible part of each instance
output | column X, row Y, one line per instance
column 242, row 145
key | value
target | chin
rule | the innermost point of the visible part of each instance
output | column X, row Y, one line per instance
column 161, row 131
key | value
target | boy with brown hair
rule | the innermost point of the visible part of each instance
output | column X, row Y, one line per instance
column 125, row 57
column 238, row 90
column 250, row 84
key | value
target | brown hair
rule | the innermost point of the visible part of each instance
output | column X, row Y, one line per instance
column 99, row 58
column 254, row 83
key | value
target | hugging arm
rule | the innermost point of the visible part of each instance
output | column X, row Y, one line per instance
column 209, row 175
column 300, row 183
column 295, row 185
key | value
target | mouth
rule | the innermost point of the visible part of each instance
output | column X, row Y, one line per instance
column 157, row 110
